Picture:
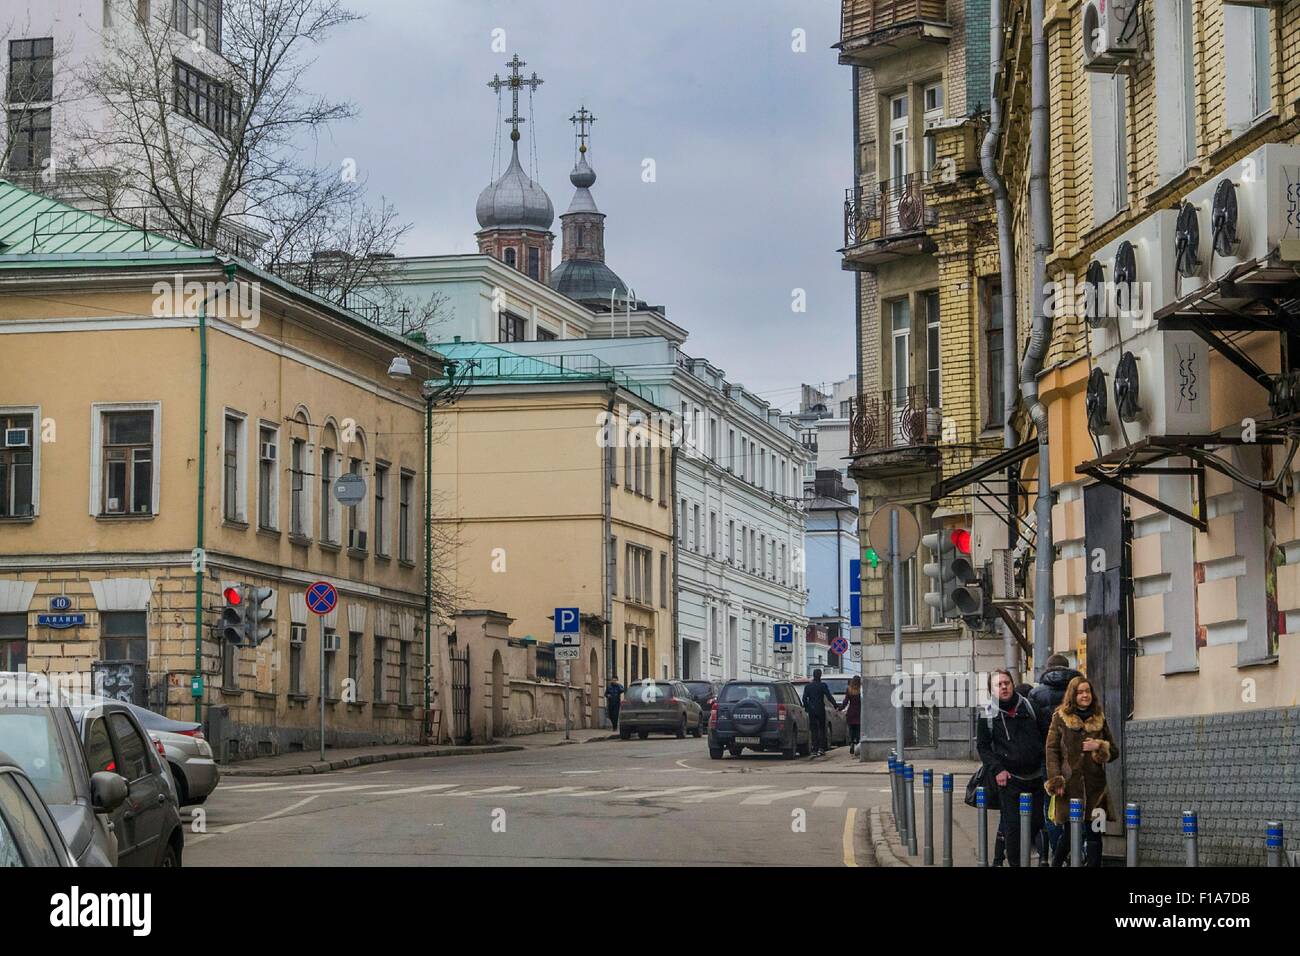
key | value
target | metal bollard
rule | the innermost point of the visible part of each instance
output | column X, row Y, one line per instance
column 1273, row 842
column 893, row 787
column 909, row 774
column 900, row 821
column 1026, row 826
column 927, row 786
column 1190, row 832
column 1076, row 832
column 1132, row 823
column 982, row 827
column 947, row 819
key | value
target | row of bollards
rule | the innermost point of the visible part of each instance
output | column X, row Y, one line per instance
column 902, row 778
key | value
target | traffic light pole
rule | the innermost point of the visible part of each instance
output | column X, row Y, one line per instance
column 895, row 563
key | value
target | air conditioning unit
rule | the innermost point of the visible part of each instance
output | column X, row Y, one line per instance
column 356, row 539
column 1111, row 31
column 1250, row 211
column 332, row 642
column 1155, row 384
column 268, row 451
column 298, row 635
column 1128, row 281
column 18, row 437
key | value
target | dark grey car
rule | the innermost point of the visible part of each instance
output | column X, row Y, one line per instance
column 759, row 715
column 662, row 706
column 28, row 834
column 704, row 693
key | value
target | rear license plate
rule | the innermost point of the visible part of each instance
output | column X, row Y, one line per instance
column 748, row 740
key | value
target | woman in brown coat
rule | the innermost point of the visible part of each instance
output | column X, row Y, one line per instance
column 1079, row 745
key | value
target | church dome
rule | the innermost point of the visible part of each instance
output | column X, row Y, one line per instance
column 515, row 201
column 587, row 281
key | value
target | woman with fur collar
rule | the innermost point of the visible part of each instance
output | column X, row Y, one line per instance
column 1079, row 745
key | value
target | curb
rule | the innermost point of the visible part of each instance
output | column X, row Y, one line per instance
column 880, row 842
column 349, row 762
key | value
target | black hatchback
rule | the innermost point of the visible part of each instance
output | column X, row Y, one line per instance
column 759, row 715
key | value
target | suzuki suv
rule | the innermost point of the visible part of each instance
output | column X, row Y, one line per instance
column 759, row 715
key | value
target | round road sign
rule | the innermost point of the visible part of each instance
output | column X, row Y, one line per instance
column 840, row 646
column 322, row 598
column 909, row 532
column 349, row 489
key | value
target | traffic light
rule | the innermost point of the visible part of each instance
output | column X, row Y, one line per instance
column 957, row 592
column 257, row 617
column 231, row 627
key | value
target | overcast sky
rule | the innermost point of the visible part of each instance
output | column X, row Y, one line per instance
column 752, row 144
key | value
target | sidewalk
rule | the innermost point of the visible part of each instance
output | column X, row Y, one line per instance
column 840, row 761
column 289, row 764
column 890, row 851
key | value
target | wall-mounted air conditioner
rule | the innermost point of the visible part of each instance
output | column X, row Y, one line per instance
column 356, row 539
column 332, row 642
column 1155, row 384
column 1249, row 211
column 1128, row 281
column 1111, row 32
column 268, row 451
column 17, row 437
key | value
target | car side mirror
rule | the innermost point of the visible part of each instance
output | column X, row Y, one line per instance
column 107, row 791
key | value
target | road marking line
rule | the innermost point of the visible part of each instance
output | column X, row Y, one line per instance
column 424, row 789
column 335, row 788
column 547, row 792
column 764, row 799
column 850, row 858
column 571, row 772
column 830, row 799
column 730, row 791
column 643, row 794
column 478, row 793
column 248, row 823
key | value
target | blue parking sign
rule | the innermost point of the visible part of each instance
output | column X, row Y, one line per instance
column 566, row 620
column 783, row 633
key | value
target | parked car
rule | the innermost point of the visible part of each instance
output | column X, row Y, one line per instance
column 188, row 755
column 45, row 743
column 663, row 706
column 29, row 836
column 837, row 725
column 148, row 823
column 759, row 715
column 704, row 693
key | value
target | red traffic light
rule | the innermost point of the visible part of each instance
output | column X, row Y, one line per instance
column 961, row 540
column 232, row 595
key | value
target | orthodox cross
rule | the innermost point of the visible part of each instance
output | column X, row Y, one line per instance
column 582, row 119
column 515, row 82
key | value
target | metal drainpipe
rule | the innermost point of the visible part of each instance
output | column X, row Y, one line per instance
column 1006, row 259
column 1040, row 335
column 611, row 663
column 857, row 275
column 672, row 503
column 229, row 269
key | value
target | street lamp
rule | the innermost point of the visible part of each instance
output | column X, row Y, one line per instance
column 434, row 392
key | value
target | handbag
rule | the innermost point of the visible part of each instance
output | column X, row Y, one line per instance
column 977, row 779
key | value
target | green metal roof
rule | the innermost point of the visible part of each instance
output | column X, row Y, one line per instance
column 35, row 225
column 497, row 366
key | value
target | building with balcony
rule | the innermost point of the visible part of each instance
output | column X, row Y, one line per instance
column 917, row 220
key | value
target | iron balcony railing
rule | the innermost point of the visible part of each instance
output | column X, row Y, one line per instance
column 900, row 418
column 861, row 18
column 896, row 207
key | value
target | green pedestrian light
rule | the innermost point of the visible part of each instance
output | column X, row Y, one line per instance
column 872, row 558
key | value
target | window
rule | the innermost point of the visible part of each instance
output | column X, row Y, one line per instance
column 899, row 165
column 1109, row 144
column 378, row 666
column 731, row 540
column 663, row 581
column 731, row 450
column 933, row 106
column 354, row 660
column 509, row 258
column 545, row 335
column 613, row 566
column 511, row 328
column 123, row 636
column 206, row 101
column 933, row 354
column 232, row 468
column 663, row 474
column 127, row 457
column 697, row 530
column 17, row 466
column 405, row 529
column 534, row 263
column 199, row 20
column 404, row 673
column 683, row 529
column 357, row 538
column 1247, row 78
column 31, row 70
column 328, row 506
column 299, row 520
column 134, row 762
column 1174, row 87
column 29, row 138
column 381, row 509
column 762, row 554
column 268, row 478
column 993, row 349
column 713, row 534
column 900, row 322
column 329, row 648
column 297, row 652
column 13, row 642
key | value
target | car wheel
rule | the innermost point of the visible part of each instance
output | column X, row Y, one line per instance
column 805, row 748
column 182, row 788
column 171, row 857
column 787, row 753
column 715, row 753
column 698, row 732
column 625, row 734
column 735, row 749
column 681, row 729
column 642, row 734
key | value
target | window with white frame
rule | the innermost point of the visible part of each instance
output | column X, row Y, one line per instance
column 713, row 534
column 382, row 541
column 232, row 467
column 899, row 164
column 697, row 530
column 329, row 508
column 299, row 498
column 268, row 477
column 731, row 540
column 1109, row 132
column 1247, row 78
column 126, row 450
column 932, row 97
column 1175, row 85
column 297, row 654
column 405, row 524
column 19, row 463
column 932, row 350
column 358, row 538
column 663, row 580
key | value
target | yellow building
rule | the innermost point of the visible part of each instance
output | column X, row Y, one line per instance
column 1176, row 590
column 554, row 475
column 103, row 351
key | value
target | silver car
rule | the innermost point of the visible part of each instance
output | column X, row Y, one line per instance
column 188, row 754
column 664, row 706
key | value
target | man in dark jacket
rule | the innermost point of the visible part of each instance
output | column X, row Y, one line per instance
column 1010, row 744
column 1045, row 698
column 613, row 700
column 815, row 696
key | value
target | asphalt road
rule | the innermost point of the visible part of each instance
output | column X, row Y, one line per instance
column 654, row 802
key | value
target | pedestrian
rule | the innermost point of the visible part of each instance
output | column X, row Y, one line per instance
column 1000, row 841
column 1046, row 697
column 1079, row 745
column 815, row 696
column 852, row 707
column 1009, row 739
column 613, row 700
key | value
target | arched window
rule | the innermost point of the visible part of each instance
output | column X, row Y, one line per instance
column 509, row 257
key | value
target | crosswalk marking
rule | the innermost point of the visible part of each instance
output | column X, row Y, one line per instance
column 643, row 794
column 730, row 791
column 766, row 799
column 548, row 792
column 830, row 799
column 478, row 793
column 425, row 789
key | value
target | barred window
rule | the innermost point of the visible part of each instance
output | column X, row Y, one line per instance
column 206, row 101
